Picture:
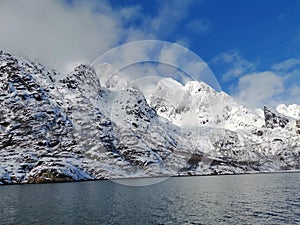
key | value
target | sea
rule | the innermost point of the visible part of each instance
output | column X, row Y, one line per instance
column 232, row 199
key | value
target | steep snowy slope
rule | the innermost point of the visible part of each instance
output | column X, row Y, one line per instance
column 197, row 103
column 71, row 129
column 33, row 125
column 74, row 128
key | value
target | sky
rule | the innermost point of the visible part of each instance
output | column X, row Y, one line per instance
column 251, row 46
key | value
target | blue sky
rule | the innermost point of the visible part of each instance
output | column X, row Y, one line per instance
column 252, row 46
column 238, row 39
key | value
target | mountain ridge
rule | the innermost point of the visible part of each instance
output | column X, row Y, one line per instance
column 57, row 129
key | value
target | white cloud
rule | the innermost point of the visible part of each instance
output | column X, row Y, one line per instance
column 235, row 65
column 289, row 70
column 293, row 95
column 259, row 89
column 146, row 76
column 61, row 33
column 183, row 41
column 190, row 63
column 199, row 26
column 294, row 90
column 280, row 84
column 57, row 34
column 168, row 17
column 286, row 65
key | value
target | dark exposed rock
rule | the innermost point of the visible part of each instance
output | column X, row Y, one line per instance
column 298, row 127
column 273, row 120
column 50, row 172
column 258, row 132
column 4, row 176
column 194, row 160
column 82, row 74
column 298, row 123
column 55, row 130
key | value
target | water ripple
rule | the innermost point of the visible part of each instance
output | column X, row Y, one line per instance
column 247, row 199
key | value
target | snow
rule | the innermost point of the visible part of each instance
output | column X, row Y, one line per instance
column 290, row 110
column 197, row 104
column 4, row 176
column 69, row 129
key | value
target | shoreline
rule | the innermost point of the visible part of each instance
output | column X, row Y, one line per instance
column 158, row 177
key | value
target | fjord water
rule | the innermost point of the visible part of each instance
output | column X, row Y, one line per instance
column 242, row 199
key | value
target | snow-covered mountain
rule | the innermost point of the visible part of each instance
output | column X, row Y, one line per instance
column 76, row 128
column 197, row 104
column 290, row 110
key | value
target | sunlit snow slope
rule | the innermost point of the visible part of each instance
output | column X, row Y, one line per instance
column 55, row 129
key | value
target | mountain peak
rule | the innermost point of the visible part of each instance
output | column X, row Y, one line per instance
column 83, row 68
column 194, row 87
column 292, row 110
column 83, row 75
column 71, row 130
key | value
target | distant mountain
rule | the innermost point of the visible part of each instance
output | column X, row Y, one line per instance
column 199, row 101
column 56, row 129
column 290, row 111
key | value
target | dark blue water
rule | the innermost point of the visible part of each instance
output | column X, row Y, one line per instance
column 243, row 199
